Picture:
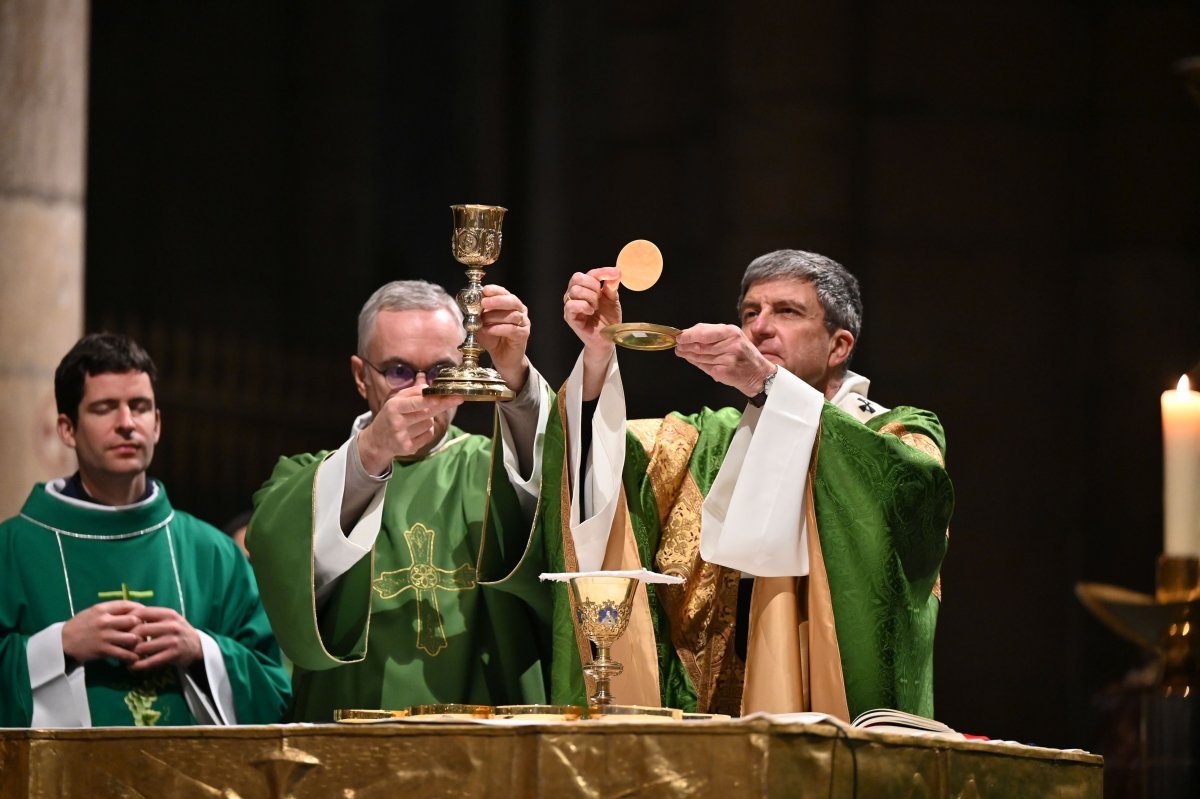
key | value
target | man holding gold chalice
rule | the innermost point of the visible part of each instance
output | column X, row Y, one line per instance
column 809, row 526
column 393, row 569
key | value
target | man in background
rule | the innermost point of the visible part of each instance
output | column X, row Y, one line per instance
column 115, row 608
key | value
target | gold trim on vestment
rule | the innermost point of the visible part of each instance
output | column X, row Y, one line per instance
column 432, row 453
column 793, row 662
column 776, row 680
column 312, row 576
column 826, row 680
column 487, row 498
column 702, row 611
column 570, row 559
column 537, row 509
column 637, row 649
column 918, row 441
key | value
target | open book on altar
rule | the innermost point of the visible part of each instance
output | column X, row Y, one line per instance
column 887, row 720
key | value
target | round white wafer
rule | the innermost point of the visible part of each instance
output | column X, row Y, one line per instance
column 640, row 263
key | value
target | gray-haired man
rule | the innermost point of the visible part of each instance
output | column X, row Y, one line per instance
column 392, row 569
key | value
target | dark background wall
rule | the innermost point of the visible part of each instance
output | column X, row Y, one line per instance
column 1016, row 185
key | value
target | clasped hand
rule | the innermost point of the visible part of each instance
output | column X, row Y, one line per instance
column 141, row 636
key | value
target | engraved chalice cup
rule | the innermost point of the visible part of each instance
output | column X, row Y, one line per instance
column 475, row 243
column 602, row 607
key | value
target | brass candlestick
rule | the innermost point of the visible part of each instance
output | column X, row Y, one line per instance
column 1163, row 624
column 1178, row 587
column 476, row 244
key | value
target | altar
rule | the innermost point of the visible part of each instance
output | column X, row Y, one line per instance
column 683, row 759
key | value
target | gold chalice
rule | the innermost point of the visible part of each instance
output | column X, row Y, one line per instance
column 476, row 244
column 602, row 607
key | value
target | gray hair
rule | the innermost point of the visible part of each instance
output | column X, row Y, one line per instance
column 837, row 289
column 402, row 295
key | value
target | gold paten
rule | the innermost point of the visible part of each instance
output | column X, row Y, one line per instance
column 539, row 712
column 354, row 716
column 641, row 335
column 476, row 244
column 452, row 711
column 633, row 713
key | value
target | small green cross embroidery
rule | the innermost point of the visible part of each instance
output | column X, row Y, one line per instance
column 425, row 580
column 125, row 593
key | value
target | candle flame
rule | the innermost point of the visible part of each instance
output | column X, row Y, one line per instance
column 1183, row 386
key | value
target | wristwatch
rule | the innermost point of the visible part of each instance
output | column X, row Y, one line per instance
column 760, row 399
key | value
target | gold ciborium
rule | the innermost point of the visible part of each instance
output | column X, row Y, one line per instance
column 476, row 244
column 602, row 607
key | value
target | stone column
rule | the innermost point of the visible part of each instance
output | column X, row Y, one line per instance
column 43, row 108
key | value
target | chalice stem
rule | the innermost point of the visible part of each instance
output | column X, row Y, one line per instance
column 603, row 668
column 470, row 301
column 602, row 665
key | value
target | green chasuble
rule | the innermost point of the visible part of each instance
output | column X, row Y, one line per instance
column 882, row 504
column 438, row 613
column 60, row 556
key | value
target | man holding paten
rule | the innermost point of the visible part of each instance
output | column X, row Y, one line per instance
column 809, row 525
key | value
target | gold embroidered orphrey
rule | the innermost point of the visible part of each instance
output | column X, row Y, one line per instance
column 425, row 580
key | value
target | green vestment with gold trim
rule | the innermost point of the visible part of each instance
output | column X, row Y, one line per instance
column 882, row 501
column 417, row 621
column 59, row 553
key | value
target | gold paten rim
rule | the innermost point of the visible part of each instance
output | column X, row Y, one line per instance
column 467, row 711
column 614, row 334
column 359, row 716
column 565, row 712
column 630, row 711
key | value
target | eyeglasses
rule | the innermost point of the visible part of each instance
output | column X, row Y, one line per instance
column 401, row 375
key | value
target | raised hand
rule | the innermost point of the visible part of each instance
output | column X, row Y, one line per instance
column 725, row 354
column 505, row 334
column 590, row 304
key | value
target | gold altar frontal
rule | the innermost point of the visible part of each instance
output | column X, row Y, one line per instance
column 749, row 758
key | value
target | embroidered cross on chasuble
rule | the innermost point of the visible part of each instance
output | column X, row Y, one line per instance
column 126, row 593
column 140, row 699
column 425, row 579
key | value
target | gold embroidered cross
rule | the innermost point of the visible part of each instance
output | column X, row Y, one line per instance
column 125, row 593
column 425, row 580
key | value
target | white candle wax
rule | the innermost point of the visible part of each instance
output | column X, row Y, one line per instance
column 1181, row 470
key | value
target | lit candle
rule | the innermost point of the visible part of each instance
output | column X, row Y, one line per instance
column 1181, row 470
